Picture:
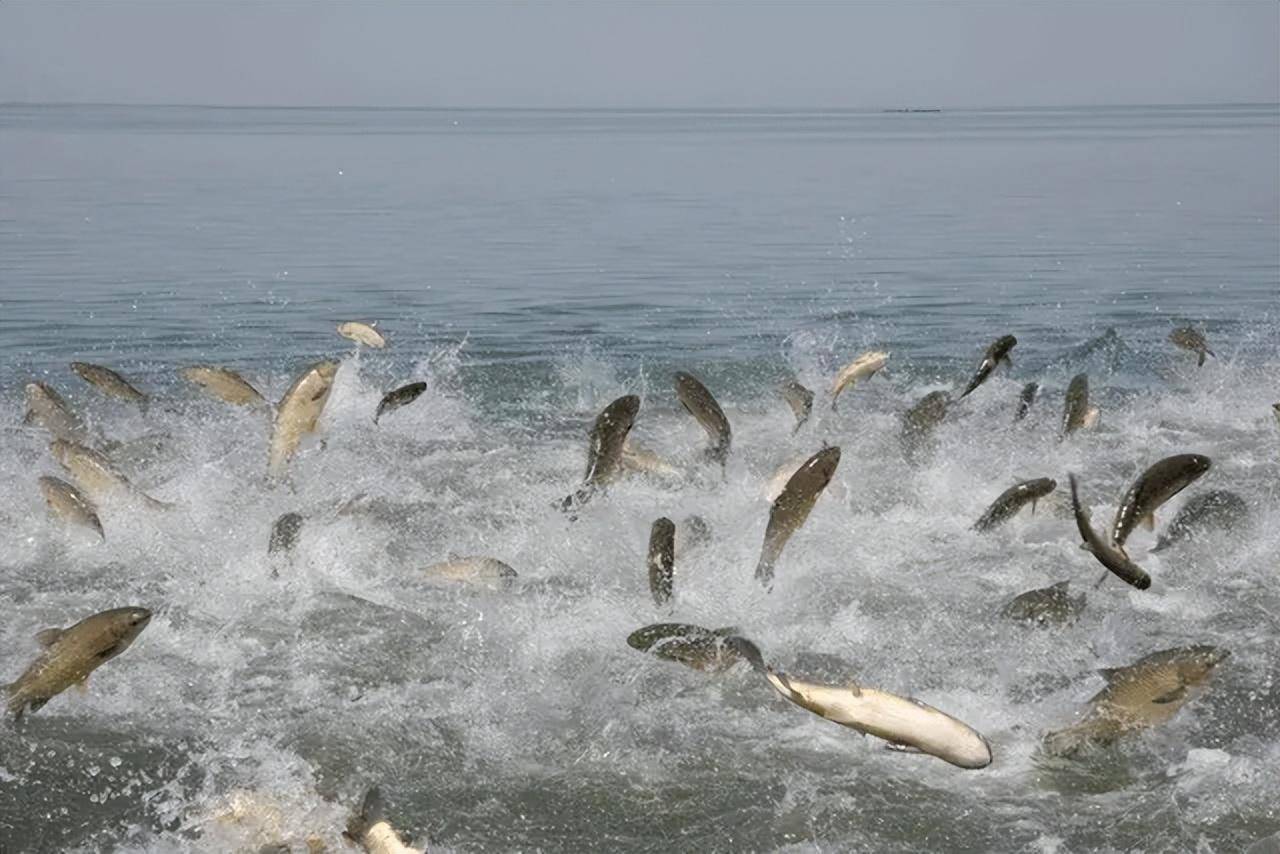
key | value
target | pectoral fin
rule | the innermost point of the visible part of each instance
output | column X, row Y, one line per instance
column 899, row 747
column 1173, row 696
column 48, row 637
column 854, row 689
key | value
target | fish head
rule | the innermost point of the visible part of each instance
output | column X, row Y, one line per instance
column 1003, row 345
column 111, row 632
column 1197, row 662
column 1041, row 486
column 1197, row 464
column 621, row 414
column 823, row 464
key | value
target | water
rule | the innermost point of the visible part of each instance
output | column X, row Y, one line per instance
column 532, row 266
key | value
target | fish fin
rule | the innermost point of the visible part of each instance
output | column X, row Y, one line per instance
column 48, row 637
column 1149, row 521
column 899, row 747
column 854, row 688
column 371, row 812
column 1200, row 361
column 1173, row 696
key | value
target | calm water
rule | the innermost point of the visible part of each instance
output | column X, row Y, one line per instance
column 531, row 266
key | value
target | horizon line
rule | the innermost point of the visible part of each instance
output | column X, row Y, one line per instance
column 630, row 108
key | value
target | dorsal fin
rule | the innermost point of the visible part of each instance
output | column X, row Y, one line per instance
column 1061, row 585
column 48, row 637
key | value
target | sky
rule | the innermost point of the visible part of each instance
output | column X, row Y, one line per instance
column 616, row 54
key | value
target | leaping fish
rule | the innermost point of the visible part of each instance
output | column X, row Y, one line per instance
column 109, row 382
column 863, row 367
column 792, row 508
column 998, row 352
column 698, row 401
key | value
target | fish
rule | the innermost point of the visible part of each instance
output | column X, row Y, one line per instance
column 487, row 571
column 692, row 646
column 1013, row 499
column 370, row 829
column 693, row 532
column 792, row 507
column 224, row 384
column 1108, row 555
column 109, row 382
column 701, row 404
column 1154, row 487
column 96, row 476
column 70, row 504
column 1025, row 398
column 862, row 368
column 641, row 460
column 71, row 654
column 907, row 724
column 298, row 412
column 1052, row 604
column 800, row 399
column 662, row 554
column 1076, row 412
column 1191, row 339
column 362, row 333
column 1139, row 696
column 919, row 421
column 1216, row 510
column 604, row 450
column 284, row 533
column 998, row 352
column 399, row 397
column 47, row 409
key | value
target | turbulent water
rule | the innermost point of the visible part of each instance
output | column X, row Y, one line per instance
column 531, row 267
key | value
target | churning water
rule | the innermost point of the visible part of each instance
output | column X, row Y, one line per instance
column 531, row 267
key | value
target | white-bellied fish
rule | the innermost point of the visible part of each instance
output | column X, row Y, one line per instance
column 298, row 412
column 370, row 829
column 473, row 569
column 70, row 504
column 109, row 382
column 861, row 368
column 604, row 449
column 96, row 476
column 800, row 399
column 698, row 401
column 46, row 408
column 362, row 333
column 224, row 384
column 71, row 654
column 1154, row 487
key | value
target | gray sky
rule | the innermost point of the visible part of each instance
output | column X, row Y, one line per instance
column 615, row 54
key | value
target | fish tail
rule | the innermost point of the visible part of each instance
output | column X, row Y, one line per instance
column 371, row 811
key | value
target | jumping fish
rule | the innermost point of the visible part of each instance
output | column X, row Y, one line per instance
column 919, row 421
column 1191, row 339
column 370, row 829
column 362, row 333
column 284, row 533
column 861, row 368
column 692, row 646
column 47, row 409
column 604, row 452
column 998, row 352
column 486, row 571
column 1053, row 604
column 907, row 724
column 298, row 412
column 71, row 654
column 70, row 504
column 224, row 384
column 109, row 382
column 1217, row 510
column 702, row 405
column 1142, row 695
column 1108, row 555
column 693, row 532
column 1025, row 399
column 1154, row 487
column 1076, row 412
column 662, row 554
column 397, row 398
column 792, row 507
column 641, row 460
column 800, row 399
column 1014, row 499
column 96, row 476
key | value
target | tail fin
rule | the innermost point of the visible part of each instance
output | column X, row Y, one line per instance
column 372, row 811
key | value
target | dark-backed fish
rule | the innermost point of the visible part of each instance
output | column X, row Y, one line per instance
column 800, row 399
column 1052, row 604
column 907, row 724
column 399, row 397
column 662, row 556
column 996, row 353
column 692, row 646
column 70, row 504
column 1142, row 695
column 1025, row 398
column 919, row 421
column 604, row 449
column 71, row 654
column 1154, row 487
column 1013, row 499
column 1076, row 412
column 284, row 533
column 1192, row 339
column 792, row 507
column 702, row 405
column 109, row 382
column 1107, row 554
column 1216, row 510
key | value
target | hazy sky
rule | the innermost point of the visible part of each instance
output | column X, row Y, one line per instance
column 651, row 54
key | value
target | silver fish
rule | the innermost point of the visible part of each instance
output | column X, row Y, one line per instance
column 1110, row 556
column 919, row 421
column 793, row 506
column 224, row 384
column 484, row 571
column 800, row 399
column 370, row 829
column 47, row 409
column 702, row 405
column 109, row 382
column 298, row 412
column 70, row 504
column 998, row 352
column 1013, row 499
column 1154, row 487
column 362, row 333
column 863, row 367
column 604, row 452
column 96, row 476
column 1076, row 412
